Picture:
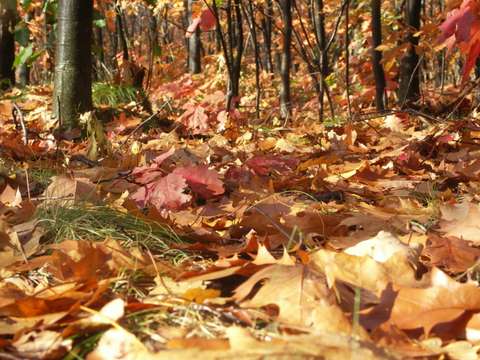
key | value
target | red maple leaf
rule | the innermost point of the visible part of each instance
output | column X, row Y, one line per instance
column 164, row 193
column 201, row 180
column 206, row 22
column 462, row 28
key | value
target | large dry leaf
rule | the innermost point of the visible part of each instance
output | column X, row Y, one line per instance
column 117, row 344
column 41, row 345
column 461, row 221
column 65, row 190
column 381, row 248
column 302, row 297
column 450, row 253
column 363, row 272
column 442, row 302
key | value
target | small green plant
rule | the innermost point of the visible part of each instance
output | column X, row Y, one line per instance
column 334, row 122
column 113, row 95
column 87, row 222
column 42, row 176
column 84, row 345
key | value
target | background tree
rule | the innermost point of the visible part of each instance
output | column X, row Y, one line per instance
column 73, row 70
column 7, row 43
column 194, row 45
column 377, row 55
column 285, row 99
column 409, row 90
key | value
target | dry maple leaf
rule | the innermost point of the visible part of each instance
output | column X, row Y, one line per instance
column 461, row 221
column 450, row 253
column 302, row 298
column 442, row 303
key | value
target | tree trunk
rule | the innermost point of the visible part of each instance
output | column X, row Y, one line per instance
column 73, row 69
column 285, row 100
column 377, row 55
column 267, row 35
column 194, row 56
column 409, row 91
column 7, row 43
column 319, row 25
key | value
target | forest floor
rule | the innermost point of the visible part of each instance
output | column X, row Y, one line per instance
column 193, row 233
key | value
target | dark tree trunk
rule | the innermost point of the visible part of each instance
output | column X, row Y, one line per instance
column 24, row 69
column 409, row 91
column 267, row 35
column 377, row 55
column 7, row 43
column 194, row 45
column 323, row 68
column 73, row 70
column 253, row 32
column 285, row 100
column 120, row 26
column 99, row 52
column 236, row 42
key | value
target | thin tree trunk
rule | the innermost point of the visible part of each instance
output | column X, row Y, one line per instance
column 285, row 99
column 377, row 55
column 194, row 45
column 253, row 33
column 347, row 58
column 267, row 35
column 319, row 25
column 73, row 70
column 409, row 91
column 7, row 43
column 24, row 68
column 120, row 26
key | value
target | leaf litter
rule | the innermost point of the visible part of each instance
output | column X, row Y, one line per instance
column 360, row 239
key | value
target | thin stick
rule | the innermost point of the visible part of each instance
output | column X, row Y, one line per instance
column 143, row 123
column 347, row 59
column 17, row 114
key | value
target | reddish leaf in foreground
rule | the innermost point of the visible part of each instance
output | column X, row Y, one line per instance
column 201, row 180
column 165, row 193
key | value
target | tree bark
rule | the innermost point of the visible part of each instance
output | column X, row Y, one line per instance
column 73, row 69
column 194, row 46
column 377, row 55
column 267, row 35
column 7, row 43
column 409, row 91
column 286, row 59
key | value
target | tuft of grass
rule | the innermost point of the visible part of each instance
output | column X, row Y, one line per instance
column 84, row 345
column 42, row 176
column 113, row 95
column 88, row 222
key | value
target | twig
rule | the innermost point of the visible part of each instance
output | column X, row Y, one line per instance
column 18, row 115
column 167, row 103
